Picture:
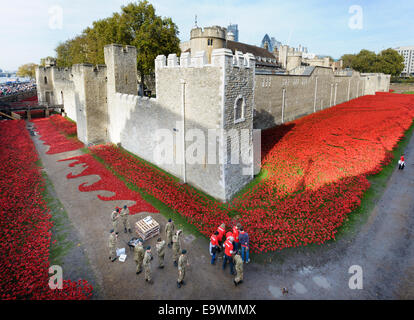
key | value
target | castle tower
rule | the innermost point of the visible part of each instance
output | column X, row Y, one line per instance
column 92, row 110
column 207, row 40
column 121, row 65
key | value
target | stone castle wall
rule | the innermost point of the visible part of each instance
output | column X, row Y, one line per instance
column 282, row 98
column 225, row 94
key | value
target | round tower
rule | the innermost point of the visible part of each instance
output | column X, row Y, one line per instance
column 207, row 40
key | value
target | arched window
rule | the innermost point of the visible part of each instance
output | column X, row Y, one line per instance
column 45, row 80
column 239, row 107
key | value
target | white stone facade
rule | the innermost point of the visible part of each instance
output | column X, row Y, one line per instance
column 195, row 100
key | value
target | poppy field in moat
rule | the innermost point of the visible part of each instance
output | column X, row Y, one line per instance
column 316, row 173
column 25, row 223
column 316, row 166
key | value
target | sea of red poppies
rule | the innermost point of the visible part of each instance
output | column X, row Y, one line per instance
column 25, row 223
column 316, row 174
column 107, row 182
column 53, row 131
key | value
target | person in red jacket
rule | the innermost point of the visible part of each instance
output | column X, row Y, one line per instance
column 221, row 230
column 228, row 254
column 236, row 236
column 213, row 246
column 401, row 163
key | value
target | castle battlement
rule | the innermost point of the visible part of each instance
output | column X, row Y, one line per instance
column 219, row 58
column 209, row 32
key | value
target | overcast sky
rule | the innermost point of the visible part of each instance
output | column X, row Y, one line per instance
column 31, row 30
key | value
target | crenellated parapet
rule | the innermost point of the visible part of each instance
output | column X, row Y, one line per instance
column 219, row 58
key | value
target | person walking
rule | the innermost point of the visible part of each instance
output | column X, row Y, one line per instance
column 182, row 265
column 401, row 163
column 147, row 265
column 176, row 246
column 125, row 219
column 228, row 254
column 169, row 232
column 214, row 246
column 239, row 269
column 113, row 237
column 244, row 243
column 139, row 256
column 115, row 219
column 160, row 252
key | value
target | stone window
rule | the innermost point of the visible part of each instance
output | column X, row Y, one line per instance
column 209, row 42
column 239, row 107
column 45, row 80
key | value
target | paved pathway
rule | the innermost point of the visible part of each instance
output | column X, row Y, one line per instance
column 383, row 248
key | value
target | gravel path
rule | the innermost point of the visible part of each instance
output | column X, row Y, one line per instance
column 383, row 248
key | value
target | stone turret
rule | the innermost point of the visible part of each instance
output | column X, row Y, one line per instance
column 121, row 63
column 208, row 39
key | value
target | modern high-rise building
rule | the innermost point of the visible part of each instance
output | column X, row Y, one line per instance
column 234, row 28
column 408, row 54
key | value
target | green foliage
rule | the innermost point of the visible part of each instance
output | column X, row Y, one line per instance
column 387, row 61
column 396, row 79
column 137, row 24
column 27, row 70
column 347, row 60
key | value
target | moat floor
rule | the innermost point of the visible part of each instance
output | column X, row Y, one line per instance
column 384, row 248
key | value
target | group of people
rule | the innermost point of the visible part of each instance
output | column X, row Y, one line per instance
column 235, row 244
column 143, row 257
column 12, row 88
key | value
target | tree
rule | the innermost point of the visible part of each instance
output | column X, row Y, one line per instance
column 149, row 33
column 387, row 61
column 27, row 70
column 136, row 25
column 364, row 61
column 347, row 60
column 390, row 62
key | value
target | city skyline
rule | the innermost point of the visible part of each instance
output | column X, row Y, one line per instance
column 33, row 32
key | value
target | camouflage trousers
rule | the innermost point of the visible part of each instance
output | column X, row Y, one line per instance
column 112, row 252
column 139, row 265
column 169, row 237
column 147, row 270
column 181, row 275
column 125, row 223
column 176, row 252
column 115, row 225
column 239, row 276
column 161, row 260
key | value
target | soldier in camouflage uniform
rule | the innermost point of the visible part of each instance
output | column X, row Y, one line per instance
column 139, row 256
column 115, row 219
column 125, row 220
column 169, row 231
column 176, row 246
column 182, row 265
column 147, row 265
column 112, row 245
column 239, row 269
column 161, row 252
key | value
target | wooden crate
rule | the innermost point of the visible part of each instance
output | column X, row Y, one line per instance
column 147, row 228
